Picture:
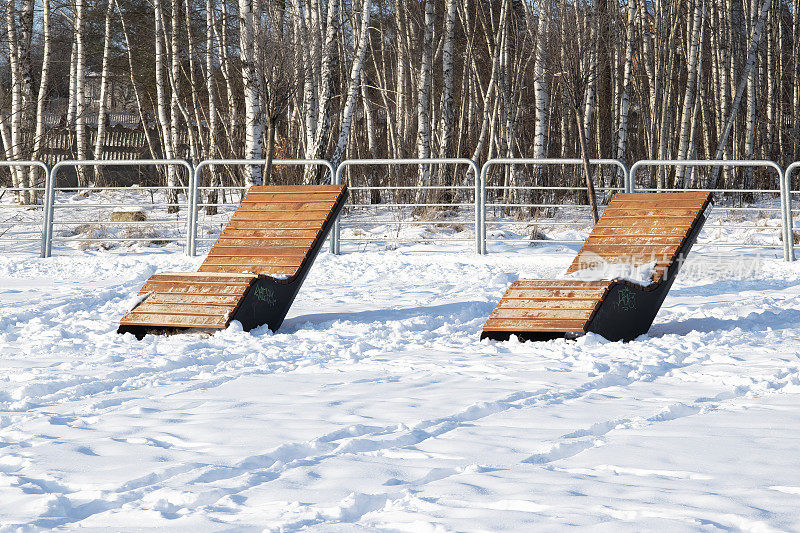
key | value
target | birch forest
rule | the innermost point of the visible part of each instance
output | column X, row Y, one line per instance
column 339, row 79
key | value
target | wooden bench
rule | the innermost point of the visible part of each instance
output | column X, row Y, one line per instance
column 253, row 271
column 635, row 229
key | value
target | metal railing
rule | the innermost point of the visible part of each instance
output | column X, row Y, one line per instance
column 789, row 192
column 336, row 241
column 45, row 189
column 783, row 188
column 532, row 161
column 51, row 205
column 193, row 203
column 480, row 187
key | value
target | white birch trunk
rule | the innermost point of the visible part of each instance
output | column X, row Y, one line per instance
column 73, row 83
column 749, row 144
column 161, row 97
column 101, row 111
column 41, row 98
column 173, row 74
column 796, row 78
column 625, row 98
column 247, row 49
column 423, row 98
column 541, row 88
column 16, row 100
column 80, row 88
column 212, row 150
column 309, row 82
column 352, row 89
column 446, row 120
column 691, row 87
column 322, row 129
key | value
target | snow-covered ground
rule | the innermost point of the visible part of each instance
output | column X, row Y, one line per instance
column 377, row 407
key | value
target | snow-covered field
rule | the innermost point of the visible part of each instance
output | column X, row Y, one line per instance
column 376, row 406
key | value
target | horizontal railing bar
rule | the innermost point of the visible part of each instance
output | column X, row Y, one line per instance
column 389, row 239
column 523, row 239
column 133, row 188
column 533, row 222
column 378, row 206
column 401, row 222
column 412, row 188
column 548, row 188
column 80, row 205
column 749, row 191
column 122, row 222
column 78, row 238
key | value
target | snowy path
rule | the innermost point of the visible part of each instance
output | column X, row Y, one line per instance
column 376, row 406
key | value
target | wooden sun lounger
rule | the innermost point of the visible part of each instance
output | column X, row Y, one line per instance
column 637, row 229
column 253, row 271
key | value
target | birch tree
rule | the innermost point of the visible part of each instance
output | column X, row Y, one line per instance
column 691, row 87
column 102, row 119
column 423, row 97
column 41, row 99
column 354, row 84
column 80, row 89
column 247, row 53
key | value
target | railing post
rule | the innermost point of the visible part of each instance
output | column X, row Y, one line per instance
column 629, row 183
column 478, row 207
column 51, row 200
column 47, row 202
column 336, row 179
column 632, row 176
column 788, row 207
column 191, row 200
column 482, row 180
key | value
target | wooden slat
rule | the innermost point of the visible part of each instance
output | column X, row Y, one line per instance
column 638, row 240
column 186, row 298
column 199, row 277
column 251, row 261
column 280, row 216
column 254, row 227
column 541, row 314
column 261, row 242
column 182, row 308
column 545, row 326
column 660, row 220
column 633, row 233
column 562, row 283
column 269, row 207
column 628, row 211
column 527, row 294
column 660, row 196
column 547, row 303
column 621, row 250
column 180, row 321
column 294, row 189
column 283, row 271
column 169, row 287
column 260, row 251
